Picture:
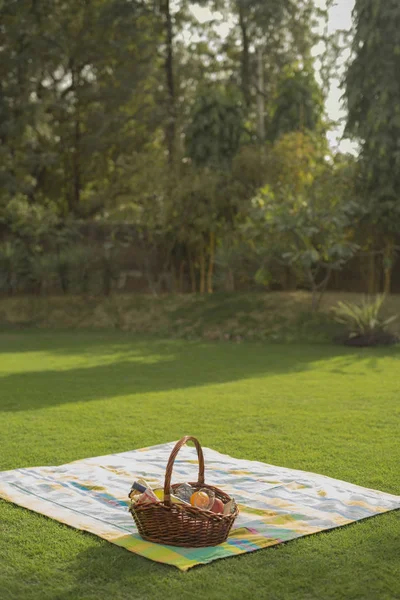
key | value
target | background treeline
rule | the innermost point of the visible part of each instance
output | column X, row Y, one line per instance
column 142, row 149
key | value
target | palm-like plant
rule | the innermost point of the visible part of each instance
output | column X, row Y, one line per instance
column 363, row 319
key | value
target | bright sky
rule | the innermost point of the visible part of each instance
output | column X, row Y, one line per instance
column 340, row 18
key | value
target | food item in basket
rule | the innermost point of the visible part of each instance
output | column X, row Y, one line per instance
column 218, row 506
column 142, row 493
column 146, row 494
column 184, row 492
column 134, row 494
column 200, row 500
column 159, row 492
column 229, row 507
column 203, row 499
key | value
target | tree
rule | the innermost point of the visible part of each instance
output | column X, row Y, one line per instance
column 212, row 141
column 373, row 102
column 299, row 103
column 295, row 160
column 215, row 130
column 74, row 97
column 306, row 221
column 266, row 36
column 268, row 25
column 169, row 63
column 134, row 110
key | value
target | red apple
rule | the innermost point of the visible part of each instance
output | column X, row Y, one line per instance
column 218, row 506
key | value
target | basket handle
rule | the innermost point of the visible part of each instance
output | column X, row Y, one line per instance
column 168, row 472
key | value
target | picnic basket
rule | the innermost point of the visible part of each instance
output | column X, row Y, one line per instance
column 182, row 524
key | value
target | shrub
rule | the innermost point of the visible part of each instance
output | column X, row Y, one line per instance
column 76, row 266
column 40, row 273
column 365, row 325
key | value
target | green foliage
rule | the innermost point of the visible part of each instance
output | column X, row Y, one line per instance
column 77, row 265
column 214, row 133
column 10, row 263
column 35, row 232
column 295, row 160
column 373, row 102
column 304, row 234
column 299, row 103
column 304, row 222
column 248, row 170
column 235, row 264
column 282, row 30
column 46, row 254
column 30, row 222
column 133, row 111
column 75, row 268
column 363, row 319
column 69, row 108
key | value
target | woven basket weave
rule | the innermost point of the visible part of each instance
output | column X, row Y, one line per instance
column 183, row 524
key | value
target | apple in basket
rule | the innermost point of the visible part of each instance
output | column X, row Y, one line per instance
column 218, row 506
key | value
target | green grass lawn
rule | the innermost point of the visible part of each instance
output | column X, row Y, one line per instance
column 66, row 396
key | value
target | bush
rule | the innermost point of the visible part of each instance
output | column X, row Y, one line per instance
column 75, row 267
column 40, row 273
column 365, row 325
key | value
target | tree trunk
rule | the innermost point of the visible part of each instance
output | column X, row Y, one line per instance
column 315, row 299
column 76, row 194
column 170, row 130
column 245, row 53
column 286, row 279
column 229, row 281
column 388, row 280
column 181, row 276
column 372, row 274
column 202, row 272
column 211, row 264
column 388, row 259
column 318, row 289
column 314, row 290
column 260, row 96
column 192, row 273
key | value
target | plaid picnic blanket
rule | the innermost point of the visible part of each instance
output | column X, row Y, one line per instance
column 276, row 504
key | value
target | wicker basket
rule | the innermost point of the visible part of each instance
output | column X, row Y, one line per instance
column 182, row 524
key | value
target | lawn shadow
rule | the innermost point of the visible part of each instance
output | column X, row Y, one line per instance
column 128, row 368
column 114, row 365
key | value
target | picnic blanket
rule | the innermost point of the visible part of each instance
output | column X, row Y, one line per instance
column 276, row 504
